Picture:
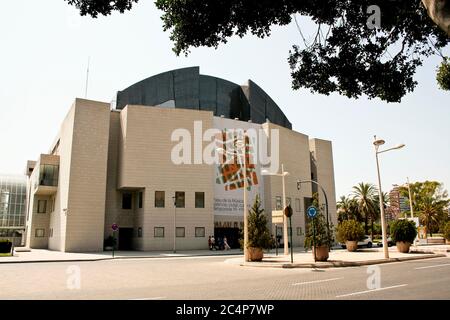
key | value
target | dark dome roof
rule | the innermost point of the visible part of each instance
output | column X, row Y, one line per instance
column 186, row 88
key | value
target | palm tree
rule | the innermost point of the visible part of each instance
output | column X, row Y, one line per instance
column 430, row 209
column 364, row 194
column 348, row 209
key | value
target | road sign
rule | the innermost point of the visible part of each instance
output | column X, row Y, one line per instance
column 277, row 216
column 311, row 211
column 115, row 227
column 288, row 211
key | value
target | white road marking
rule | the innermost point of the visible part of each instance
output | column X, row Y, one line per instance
column 316, row 281
column 369, row 291
column 433, row 266
column 154, row 298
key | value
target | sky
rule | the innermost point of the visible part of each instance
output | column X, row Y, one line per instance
column 44, row 52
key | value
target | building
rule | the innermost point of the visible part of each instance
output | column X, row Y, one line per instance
column 141, row 162
column 12, row 207
column 398, row 204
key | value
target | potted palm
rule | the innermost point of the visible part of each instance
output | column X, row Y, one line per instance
column 350, row 232
column 403, row 233
column 318, row 238
column 258, row 233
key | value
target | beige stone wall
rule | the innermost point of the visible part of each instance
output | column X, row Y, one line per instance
column 295, row 156
column 145, row 163
column 322, row 157
column 87, row 185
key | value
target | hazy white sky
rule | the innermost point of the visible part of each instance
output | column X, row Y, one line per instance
column 44, row 50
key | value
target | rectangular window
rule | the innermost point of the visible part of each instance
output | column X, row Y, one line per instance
column 159, row 232
column 40, row 233
column 140, row 199
column 199, row 199
column 180, row 199
column 299, row 231
column 199, row 232
column 139, row 232
column 180, row 232
column 127, row 201
column 297, row 205
column 288, row 201
column 278, row 203
column 42, row 206
column 159, row 199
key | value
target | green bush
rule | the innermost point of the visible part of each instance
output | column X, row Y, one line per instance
column 349, row 230
column 403, row 230
column 321, row 232
column 258, row 232
column 447, row 231
column 5, row 246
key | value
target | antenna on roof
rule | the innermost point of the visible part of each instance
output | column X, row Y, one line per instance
column 87, row 78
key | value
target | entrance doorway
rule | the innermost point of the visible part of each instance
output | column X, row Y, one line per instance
column 232, row 235
column 125, row 238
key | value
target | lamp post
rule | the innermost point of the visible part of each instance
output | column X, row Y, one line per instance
column 377, row 144
column 299, row 182
column 410, row 199
column 285, row 223
column 242, row 146
column 175, row 224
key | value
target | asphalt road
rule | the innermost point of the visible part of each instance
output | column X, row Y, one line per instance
column 212, row 278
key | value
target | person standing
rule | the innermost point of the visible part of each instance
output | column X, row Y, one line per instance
column 209, row 243
column 225, row 243
column 213, row 243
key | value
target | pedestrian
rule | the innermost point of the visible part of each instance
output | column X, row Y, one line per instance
column 213, row 243
column 209, row 243
column 225, row 244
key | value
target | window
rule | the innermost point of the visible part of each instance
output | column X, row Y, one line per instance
column 159, row 232
column 199, row 199
column 299, row 231
column 159, row 199
column 180, row 232
column 140, row 199
column 199, row 232
column 51, row 233
column 127, row 200
column 179, row 199
column 297, row 205
column 278, row 204
column 288, row 201
column 42, row 206
column 139, row 233
column 40, row 233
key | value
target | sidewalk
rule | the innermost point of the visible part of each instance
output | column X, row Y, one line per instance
column 338, row 258
column 42, row 255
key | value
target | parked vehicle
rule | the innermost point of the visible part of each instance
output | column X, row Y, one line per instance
column 389, row 241
column 366, row 242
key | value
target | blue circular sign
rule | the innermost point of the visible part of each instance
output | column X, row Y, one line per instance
column 311, row 211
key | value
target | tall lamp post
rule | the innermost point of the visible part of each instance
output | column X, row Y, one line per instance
column 377, row 144
column 285, row 222
column 410, row 199
column 242, row 146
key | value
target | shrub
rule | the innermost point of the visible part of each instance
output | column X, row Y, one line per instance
column 446, row 231
column 403, row 230
column 349, row 230
column 321, row 232
column 5, row 246
column 258, row 232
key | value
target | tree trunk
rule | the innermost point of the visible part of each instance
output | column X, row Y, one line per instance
column 439, row 12
column 371, row 228
column 366, row 229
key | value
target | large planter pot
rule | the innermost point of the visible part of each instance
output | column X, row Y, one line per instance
column 352, row 246
column 321, row 253
column 255, row 254
column 447, row 241
column 403, row 247
column 5, row 247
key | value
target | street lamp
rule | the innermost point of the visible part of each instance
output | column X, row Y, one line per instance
column 285, row 225
column 377, row 144
column 242, row 146
column 410, row 199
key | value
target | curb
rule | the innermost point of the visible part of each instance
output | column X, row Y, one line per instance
column 119, row 258
column 341, row 264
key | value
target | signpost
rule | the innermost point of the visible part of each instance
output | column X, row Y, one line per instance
column 114, row 228
column 288, row 213
column 312, row 213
